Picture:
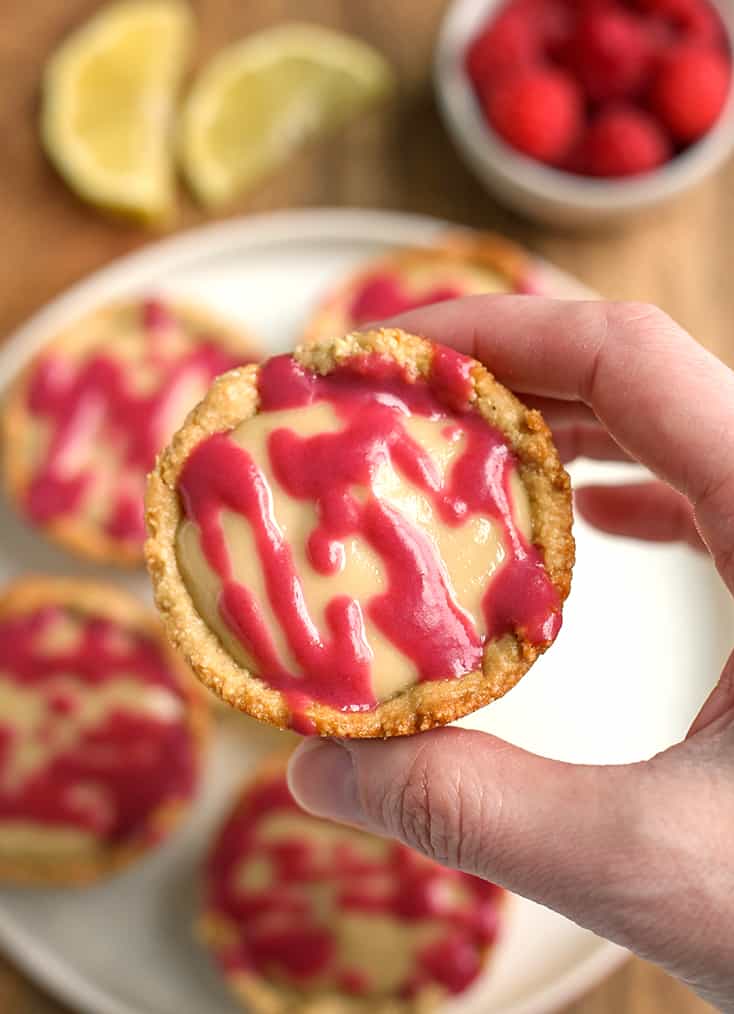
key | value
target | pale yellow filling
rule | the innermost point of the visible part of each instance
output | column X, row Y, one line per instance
column 419, row 278
column 470, row 553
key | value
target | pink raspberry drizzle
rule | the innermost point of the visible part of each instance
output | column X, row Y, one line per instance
column 417, row 612
column 119, row 772
column 384, row 295
column 97, row 395
column 398, row 884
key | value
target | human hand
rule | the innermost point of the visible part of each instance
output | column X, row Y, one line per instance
column 642, row 853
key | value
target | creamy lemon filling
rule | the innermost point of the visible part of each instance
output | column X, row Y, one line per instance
column 470, row 554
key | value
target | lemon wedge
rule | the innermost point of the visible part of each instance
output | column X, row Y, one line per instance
column 108, row 100
column 260, row 98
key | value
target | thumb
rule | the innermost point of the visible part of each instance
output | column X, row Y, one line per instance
column 569, row 836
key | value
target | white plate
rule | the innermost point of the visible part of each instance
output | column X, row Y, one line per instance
column 126, row 947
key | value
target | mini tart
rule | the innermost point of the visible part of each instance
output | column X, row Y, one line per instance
column 448, row 669
column 303, row 916
column 102, row 732
column 460, row 263
column 83, row 422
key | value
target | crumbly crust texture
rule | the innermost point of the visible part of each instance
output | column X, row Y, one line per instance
column 75, row 534
column 96, row 598
column 233, row 398
column 260, row 996
column 482, row 250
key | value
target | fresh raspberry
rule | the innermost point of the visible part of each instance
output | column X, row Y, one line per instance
column 690, row 89
column 509, row 41
column 623, row 141
column 703, row 25
column 536, row 110
column 695, row 20
column 662, row 35
column 610, row 54
column 556, row 23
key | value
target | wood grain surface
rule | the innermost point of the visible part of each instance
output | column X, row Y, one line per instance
column 399, row 158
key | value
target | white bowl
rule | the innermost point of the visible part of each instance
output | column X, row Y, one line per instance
column 536, row 190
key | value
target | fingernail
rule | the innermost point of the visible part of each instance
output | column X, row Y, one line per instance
column 322, row 780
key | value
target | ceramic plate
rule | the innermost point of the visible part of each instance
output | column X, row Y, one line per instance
column 126, row 947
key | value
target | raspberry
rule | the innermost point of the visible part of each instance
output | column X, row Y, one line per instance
column 507, row 42
column 610, row 54
column 556, row 22
column 702, row 24
column 623, row 141
column 536, row 110
column 696, row 20
column 690, row 90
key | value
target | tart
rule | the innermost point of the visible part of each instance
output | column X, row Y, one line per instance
column 303, row 916
column 459, row 264
column 102, row 731
column 82, row 424
column 369, row 537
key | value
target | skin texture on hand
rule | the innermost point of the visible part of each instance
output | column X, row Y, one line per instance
column 642, row 853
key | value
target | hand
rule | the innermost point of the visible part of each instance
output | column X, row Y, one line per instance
column 643, row 853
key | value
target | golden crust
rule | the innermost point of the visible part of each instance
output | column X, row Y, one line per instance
column 483, row 250
column 76, row 535
column 97, row 598
column 260, row 996
column 234, row 398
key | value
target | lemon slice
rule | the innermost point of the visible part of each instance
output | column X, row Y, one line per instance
column 107, row 109
column 262, row 97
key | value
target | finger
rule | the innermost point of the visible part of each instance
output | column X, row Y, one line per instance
column 666, row 400
column 647, row 510
column 579, row 839
column 581, row 441
column 718, row 709
column 562, row 413
column 473, row 802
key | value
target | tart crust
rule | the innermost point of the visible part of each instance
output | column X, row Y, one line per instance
column 259, row 996
column 75, row 534
column 96, row 598
column 483, row 250
column 233, row 398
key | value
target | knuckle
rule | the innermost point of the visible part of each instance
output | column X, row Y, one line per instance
column 725, row 565
column 621, row 330
column 440, row 809
column 640, row 316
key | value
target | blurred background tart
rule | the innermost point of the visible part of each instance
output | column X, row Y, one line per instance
column 102, row 732
column 81, row 426
column 303, row 916
column 369, row 537
column 460, row 264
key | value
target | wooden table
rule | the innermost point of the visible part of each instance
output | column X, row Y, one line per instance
column 399, row 159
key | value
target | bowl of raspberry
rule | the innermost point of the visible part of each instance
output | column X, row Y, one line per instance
column 583, row 112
